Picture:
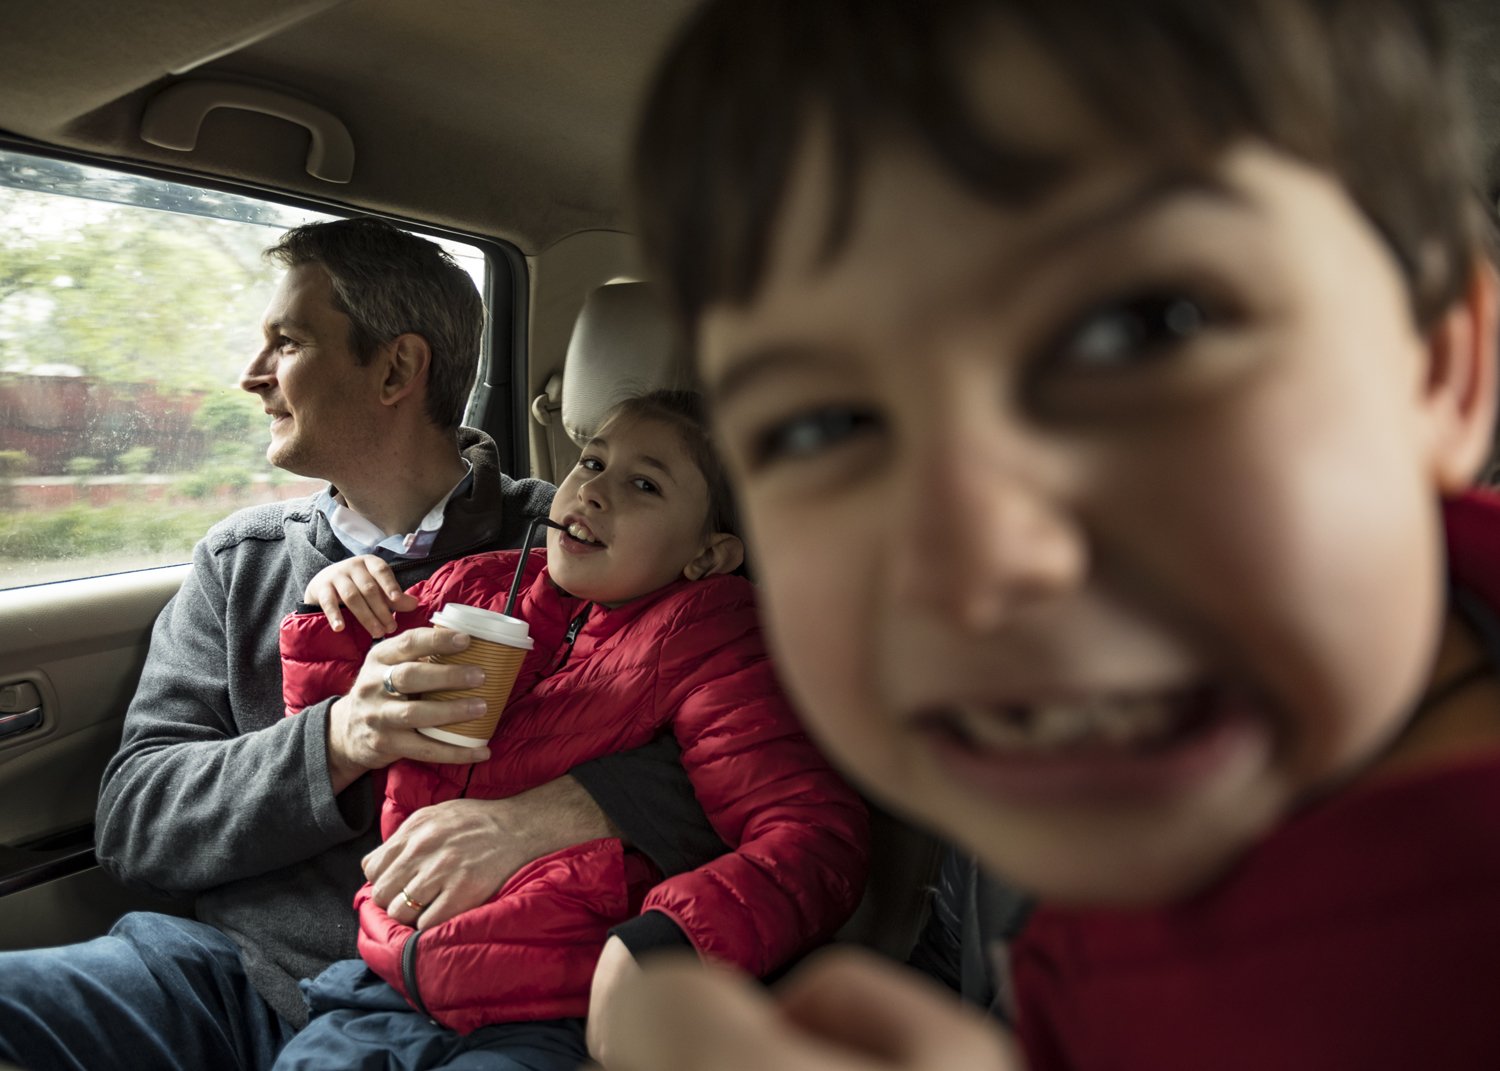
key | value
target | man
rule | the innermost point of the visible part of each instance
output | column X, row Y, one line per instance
column 371, row 347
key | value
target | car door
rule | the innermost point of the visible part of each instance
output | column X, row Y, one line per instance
column 70, row 653
column 128, row 304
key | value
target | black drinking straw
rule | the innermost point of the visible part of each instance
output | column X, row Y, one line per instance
column 515, row 585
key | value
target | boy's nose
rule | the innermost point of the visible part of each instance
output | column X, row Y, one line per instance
column 983, row 538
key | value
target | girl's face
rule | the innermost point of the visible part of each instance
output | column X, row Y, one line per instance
column 1099, row 532
column 635, row 508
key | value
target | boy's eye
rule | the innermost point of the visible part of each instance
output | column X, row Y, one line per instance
column 646, row 485
column 593, row 464
column 1131, row 330
column 812, row 432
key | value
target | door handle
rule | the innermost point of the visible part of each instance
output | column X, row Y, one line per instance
column 11, row 724
column 20, row 708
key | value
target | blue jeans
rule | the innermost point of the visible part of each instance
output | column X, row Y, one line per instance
column 359, row 1023
column 158, row 992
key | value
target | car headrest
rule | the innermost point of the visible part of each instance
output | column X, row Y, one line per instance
column 623, row 344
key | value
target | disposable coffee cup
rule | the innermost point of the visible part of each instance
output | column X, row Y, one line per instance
column 497, row 645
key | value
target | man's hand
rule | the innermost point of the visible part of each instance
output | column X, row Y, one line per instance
column 845, row 1011
column 366, row 587
column 370, row 728
column 616, row 970
column 455, row 855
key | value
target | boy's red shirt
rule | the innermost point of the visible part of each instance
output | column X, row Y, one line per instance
column 1363, row 933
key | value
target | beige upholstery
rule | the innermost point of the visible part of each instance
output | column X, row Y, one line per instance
column 624, row 344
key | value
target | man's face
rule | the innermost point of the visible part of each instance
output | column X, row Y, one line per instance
column 320, row 399
column 635, row 506
column 1098, row 533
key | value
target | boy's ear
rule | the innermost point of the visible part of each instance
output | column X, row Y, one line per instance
column 1459, row 392
column 407, row 358
column 722, row 553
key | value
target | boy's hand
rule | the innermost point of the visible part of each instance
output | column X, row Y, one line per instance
column 848, row 1010
column 616, row 970
column 366, row 586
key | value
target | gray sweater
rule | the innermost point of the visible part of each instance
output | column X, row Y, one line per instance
column 214, row 794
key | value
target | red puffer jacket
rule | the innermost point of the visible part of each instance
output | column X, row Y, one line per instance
column 688, row 657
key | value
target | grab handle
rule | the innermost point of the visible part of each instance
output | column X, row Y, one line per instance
column 175, row 115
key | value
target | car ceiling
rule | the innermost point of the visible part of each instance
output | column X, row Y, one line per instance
column 502, row 117
column 506, row 117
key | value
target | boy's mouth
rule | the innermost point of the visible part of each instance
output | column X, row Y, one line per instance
column 1099, row 751
column 1096, row 723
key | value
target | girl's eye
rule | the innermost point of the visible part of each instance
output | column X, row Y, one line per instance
column 811, row 433
column 646, row 485
column 1134, row 329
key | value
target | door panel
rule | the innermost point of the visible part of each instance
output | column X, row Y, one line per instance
column 81, row 645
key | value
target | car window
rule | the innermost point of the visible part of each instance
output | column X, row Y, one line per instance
column 128, row 306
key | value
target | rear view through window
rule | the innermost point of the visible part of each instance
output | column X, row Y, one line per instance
column 128, row 306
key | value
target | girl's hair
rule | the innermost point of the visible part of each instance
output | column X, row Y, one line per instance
column 684, row 410
column 1365, row 89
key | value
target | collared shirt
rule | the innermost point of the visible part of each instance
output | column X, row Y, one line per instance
column 362, row 536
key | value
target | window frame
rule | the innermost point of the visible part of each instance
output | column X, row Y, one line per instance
column 498, row 403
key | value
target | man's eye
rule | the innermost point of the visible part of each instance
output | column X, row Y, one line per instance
column 284, row 343
column 1131, row 330
column 812, row 432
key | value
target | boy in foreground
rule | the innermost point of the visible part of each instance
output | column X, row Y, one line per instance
column 1103, row 385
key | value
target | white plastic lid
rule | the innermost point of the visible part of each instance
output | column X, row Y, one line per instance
column 484, row 625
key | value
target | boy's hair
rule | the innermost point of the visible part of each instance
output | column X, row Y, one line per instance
column 1364, row 89
column 685, row 411
column 390, row 282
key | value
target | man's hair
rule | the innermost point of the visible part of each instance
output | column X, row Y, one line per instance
column 1364, row 89
column 390, row 282
column 685, row 412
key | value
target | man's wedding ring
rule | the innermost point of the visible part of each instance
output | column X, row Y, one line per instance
column 415, row 905
column 390, row 685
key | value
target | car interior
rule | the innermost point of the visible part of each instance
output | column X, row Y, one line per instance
column 504, row 125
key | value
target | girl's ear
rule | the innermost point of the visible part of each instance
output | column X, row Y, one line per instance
column 722, row 553
column 1459, row 392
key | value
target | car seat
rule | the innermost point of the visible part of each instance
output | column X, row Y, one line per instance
column 623, row 344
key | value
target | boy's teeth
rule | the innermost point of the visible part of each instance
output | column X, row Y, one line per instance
column 1056, row 726
column 579, row 532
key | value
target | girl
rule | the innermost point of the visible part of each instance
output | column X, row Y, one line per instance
column 640, row 627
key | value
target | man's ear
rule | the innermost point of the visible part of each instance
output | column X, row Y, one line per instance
column 1459, row 392
column 407, row 358
column 722, row 553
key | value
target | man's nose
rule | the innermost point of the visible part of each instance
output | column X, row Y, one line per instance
column 983, row 534
column 260, row 373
